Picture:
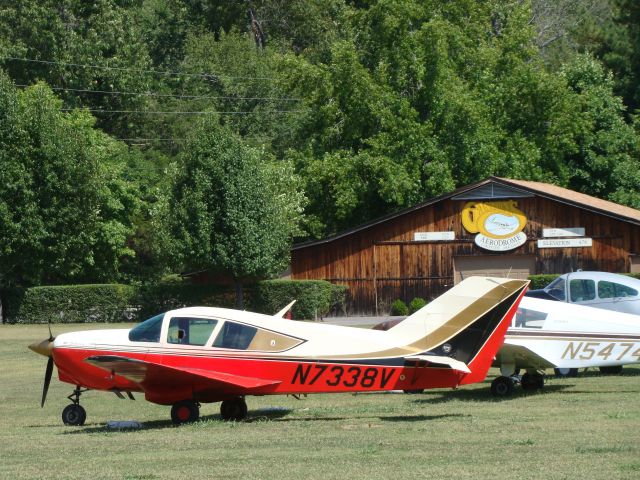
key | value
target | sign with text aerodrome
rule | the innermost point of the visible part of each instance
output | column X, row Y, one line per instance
column 498, row 225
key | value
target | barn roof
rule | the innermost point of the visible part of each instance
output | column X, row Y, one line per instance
column 497, row 187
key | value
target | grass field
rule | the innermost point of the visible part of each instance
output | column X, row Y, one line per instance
column 587, row 427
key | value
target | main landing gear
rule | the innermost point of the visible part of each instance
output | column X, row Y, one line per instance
column 186, row 411
column 74, row 414
column 503, row 386
column 234, row 409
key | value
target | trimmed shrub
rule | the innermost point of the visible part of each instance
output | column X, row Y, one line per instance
column 158, row 298
column 416, row 304
column 72, row 304
column 399, row 308
column 314, row 298
column 541, row 281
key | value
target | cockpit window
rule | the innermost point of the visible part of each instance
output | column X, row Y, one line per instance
column 190, row 331
column 526, row 318
column 615, row 290
column 147, row 331
column 235, row 335
column 556, row 289
column 582, row 290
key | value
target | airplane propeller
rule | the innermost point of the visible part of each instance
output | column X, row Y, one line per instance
column 44, row 348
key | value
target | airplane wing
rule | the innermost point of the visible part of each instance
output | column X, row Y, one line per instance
column 437, row 360
column 149, row 374
column 521, row 357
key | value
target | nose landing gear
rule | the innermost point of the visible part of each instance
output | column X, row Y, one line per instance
column 74, row 414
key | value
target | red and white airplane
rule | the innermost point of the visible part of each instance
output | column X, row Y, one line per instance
column 198, row 355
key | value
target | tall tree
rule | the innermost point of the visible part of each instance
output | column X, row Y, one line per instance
column 65, row 209
column 231, row 209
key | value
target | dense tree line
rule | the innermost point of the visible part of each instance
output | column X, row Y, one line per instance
column 142, row 134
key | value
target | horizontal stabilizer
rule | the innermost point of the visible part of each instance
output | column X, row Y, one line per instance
column 438, row 360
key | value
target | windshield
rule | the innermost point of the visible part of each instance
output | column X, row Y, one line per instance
column 556, row 289
column 147, row 331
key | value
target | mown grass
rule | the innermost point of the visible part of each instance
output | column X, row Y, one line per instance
column 587, row 427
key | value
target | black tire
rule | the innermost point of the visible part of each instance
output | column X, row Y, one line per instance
column 235, row 409
column 74, row 415
column 414, row 392
column 186, row 411
column 532, row 381
column 614, row 370
column 502, row 387
column 565, row 372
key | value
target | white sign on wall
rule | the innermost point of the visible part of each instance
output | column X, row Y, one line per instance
column 500, row 244
column 565, row 242
column 563, row 232
column 433, row 236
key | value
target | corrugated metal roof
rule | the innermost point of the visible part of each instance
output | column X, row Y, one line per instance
column 497, row 184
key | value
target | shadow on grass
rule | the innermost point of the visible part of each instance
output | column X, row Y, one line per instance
column 483, row 395
column 422, row 418
column 259, row 415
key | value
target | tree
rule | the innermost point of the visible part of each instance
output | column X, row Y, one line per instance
column 232, row 209
column 65, row 209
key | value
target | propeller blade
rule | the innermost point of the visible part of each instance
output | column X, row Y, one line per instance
column 47, row 380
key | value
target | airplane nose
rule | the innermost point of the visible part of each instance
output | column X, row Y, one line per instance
column 43, row 348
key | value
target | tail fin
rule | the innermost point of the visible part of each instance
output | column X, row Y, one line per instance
column 468, row 323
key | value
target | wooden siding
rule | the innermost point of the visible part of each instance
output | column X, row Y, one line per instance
column 382, row 263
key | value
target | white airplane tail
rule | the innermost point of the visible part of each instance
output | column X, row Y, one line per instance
column 466, row 324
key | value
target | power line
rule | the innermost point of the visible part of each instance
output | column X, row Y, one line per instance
column 165, row 95
column 133, row 140
column 206, row 76
column 173, row 112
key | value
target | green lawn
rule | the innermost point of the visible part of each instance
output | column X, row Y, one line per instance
column 587, row 427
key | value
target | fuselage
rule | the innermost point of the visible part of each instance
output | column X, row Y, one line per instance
column 302, row 357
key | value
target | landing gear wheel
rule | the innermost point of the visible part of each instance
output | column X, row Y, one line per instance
column 532, row 381
column 502, row 387
column 565, row 372
column 235, row 409
column 615, row 370
column 74, row 415
column 185, row 411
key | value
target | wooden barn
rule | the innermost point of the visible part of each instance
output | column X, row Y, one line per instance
column 498, row 226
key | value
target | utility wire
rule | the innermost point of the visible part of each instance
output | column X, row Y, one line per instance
column 166, row 95
column 206, row 76
column 171, row 112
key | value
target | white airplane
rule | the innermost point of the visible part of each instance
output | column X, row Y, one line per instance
column 565, row 336
column 609, row 291
column 200, row 355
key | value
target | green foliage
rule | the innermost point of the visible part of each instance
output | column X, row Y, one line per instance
column 159, row 297
column 231, row 208
column 314, row 298
column 66, row 209
column 72, row 304
column 367, row 107
column 416, row 304
column 399, row 308
column 541, row 281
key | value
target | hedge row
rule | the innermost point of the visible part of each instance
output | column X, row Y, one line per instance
column 126, row 303
column 314, row 298
column 541, row 281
